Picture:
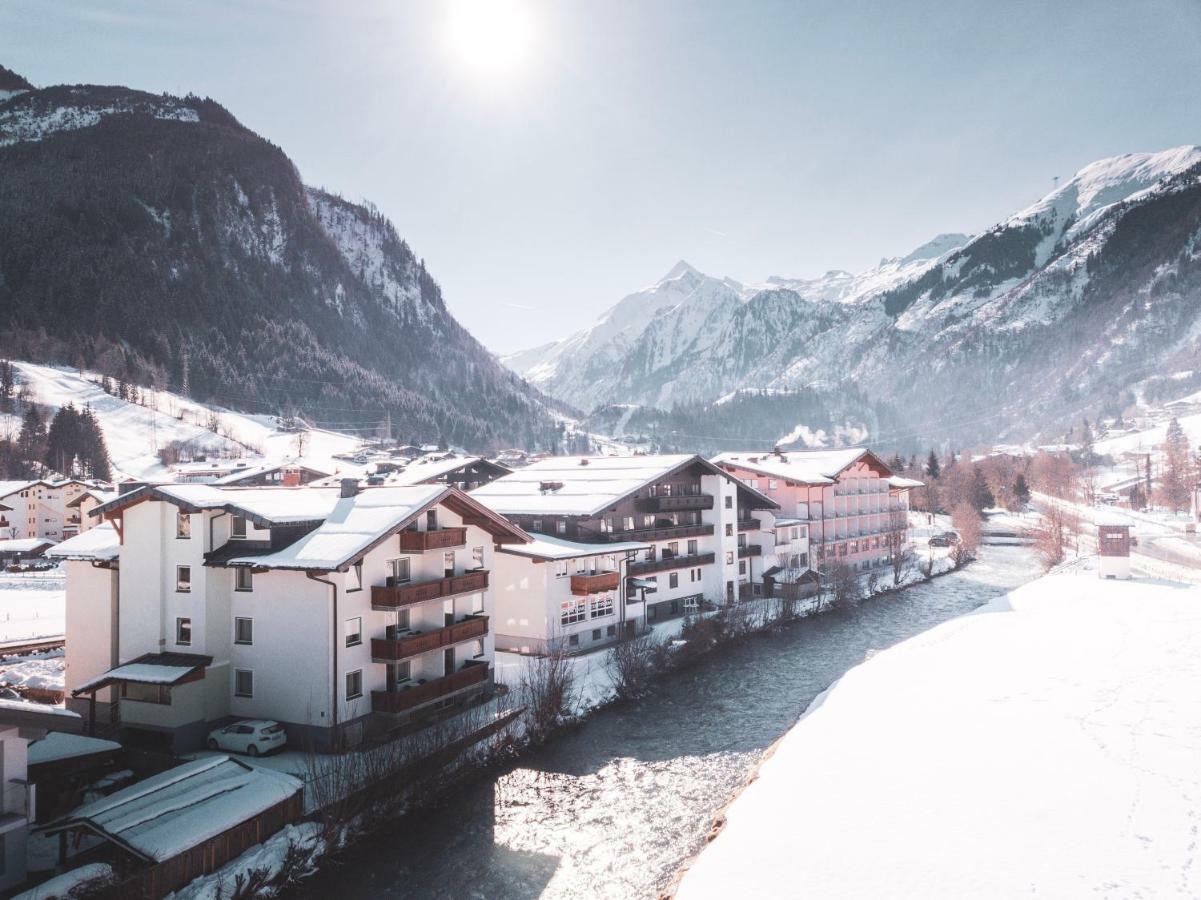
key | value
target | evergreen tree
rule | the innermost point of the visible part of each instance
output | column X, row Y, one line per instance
column 1021, row 490
column 1177, row 482
column 31, row 442
column 7, row 386
column 933, row 469
column 982, row 495
column 93, row 449
column 1088, row 455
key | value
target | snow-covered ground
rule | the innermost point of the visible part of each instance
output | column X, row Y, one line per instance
column 134, row 433
column 32, row 605
column 44, row 671
column 1048, row 745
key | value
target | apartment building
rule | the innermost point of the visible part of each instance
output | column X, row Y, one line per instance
column 333, row 610
column 38, row 508
column 688, row 532
column 848, row 499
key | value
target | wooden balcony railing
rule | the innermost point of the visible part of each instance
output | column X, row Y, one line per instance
column 438, row 539
column 409, row 698
column 684, row 561
column 666, row 533
column 675, row 503
column 394, row 597
column 749, row 550
column 594, row 584
column 409, row 645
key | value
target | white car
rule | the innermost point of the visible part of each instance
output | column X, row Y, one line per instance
column 250, row 736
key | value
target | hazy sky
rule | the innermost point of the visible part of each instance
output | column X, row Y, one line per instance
column 569, row 153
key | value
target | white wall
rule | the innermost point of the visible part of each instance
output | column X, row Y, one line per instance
column 91, row 614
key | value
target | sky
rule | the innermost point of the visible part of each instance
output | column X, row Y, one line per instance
column 547, row 158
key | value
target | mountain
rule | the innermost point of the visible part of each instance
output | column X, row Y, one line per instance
column 1062, row 310
column 156, row 238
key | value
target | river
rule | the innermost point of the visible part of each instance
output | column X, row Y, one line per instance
column 611, row 810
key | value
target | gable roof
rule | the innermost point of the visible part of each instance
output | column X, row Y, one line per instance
column 590, row 484
column 166, row 814
column 802, row 466
column 264, row 506
column 423, row 471
column 245, row 474
column 97, row 495
column 358, row 524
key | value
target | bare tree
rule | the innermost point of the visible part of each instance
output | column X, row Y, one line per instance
column 632, row 662
column 843, row 583
column 966, row 521
column 900, row 557
column 548, row 691
column 1051, row 535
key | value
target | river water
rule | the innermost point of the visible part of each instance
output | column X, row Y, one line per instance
column 611, row 810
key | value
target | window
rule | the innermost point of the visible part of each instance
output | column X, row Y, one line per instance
column 649, row 554
column 354, row 684
column 183, row 579
column 628, row 523
column 571, row 612
column 729, row 501
column 431, row 520
column 243, row 579
column 477, row 649
column 477, row 557
column 243, row 631
column 354, row 631
column 596, row 634
column 354, row 578
column 560, row 568
column 237, row 528
column 243, row 683
column 611, row 631
column 183, row 526
column 573, row 640
column 477, row 604
column 694, row 574
column 673, row 549
column 673, row 580
column 601, row 606
column 560, row 526
column 729, row 557
column 146, row 693
column 183, row 632
column 772, row 484
column 729, row 529
column 537, row 525
column 742, row 567
column 692, row 545
column 796, row 534
column 399, row 570
column 403, row 671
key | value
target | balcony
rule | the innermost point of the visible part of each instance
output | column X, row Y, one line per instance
column 408, row 698
column 666, row 533
column 597, row 583
column 685, row 561
column 749, row 550
column 748, row 525
column 409, row 645
column 438, row 539
column 675, row 503
column 396, row 596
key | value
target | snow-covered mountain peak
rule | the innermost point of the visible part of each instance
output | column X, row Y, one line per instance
column 937, row 246
column 683, row 267
column 1105, row 182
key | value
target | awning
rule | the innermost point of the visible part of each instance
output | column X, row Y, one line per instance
column 152, row 668
column 644, row 584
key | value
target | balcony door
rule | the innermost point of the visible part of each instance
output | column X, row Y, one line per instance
column 448, row 660
column 448, row 563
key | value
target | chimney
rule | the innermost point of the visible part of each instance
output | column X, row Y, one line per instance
column 350, row 487
column 291, row 478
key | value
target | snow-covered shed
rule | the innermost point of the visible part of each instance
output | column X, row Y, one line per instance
column 162, row 832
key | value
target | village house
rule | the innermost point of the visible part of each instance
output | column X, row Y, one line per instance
column 79, row 510
column 464, row 472
column 849, row 499
column 38, row 508
column 333, row 610
column 287, row 474
column 622, row 541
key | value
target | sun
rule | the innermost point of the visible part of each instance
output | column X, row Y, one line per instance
column 490, row 38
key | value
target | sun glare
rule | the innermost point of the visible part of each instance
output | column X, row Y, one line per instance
column 491, row 38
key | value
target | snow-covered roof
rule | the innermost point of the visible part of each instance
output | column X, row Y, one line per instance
column 420, row 470
column 8, row 488
column 24, row 545
column 171, row 812
column 358, row 523
column 58, row 745
column 100, row 542
column 545, row 546
column 901, row 483
column 243, row 474
column 265, row 506
column 352, row 527
column 802, row 466
column 589, row 484
column 152, row 668
column 97, row 495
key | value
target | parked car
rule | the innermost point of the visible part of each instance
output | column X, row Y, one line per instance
column 253, row 737
column 940, row 540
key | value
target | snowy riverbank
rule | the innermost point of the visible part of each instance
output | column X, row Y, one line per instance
column 1046, row 744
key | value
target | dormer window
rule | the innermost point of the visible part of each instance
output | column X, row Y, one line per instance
column 237, row 528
